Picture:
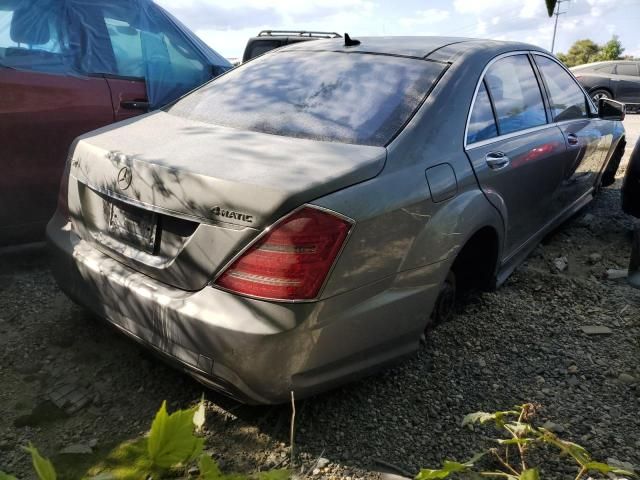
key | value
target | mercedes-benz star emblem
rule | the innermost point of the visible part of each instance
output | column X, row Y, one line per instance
column 124, row 178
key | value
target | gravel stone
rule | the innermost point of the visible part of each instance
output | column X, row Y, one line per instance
column 626, row 378
column 596, row 330
column 517, row 344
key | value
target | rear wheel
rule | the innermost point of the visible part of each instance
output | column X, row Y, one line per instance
column 600, row 93
column 444, row 308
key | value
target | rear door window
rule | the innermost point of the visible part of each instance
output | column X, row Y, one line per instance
column 627, row 69
column 341, row 97
column 567, row 99
column 605, row 68
column 482, row 123
column 516, row 94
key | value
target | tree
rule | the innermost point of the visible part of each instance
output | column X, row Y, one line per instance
column 612, row 50
column 582, row 51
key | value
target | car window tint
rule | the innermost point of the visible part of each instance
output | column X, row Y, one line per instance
column 568, row 102
column 482, row 124
column 127, row 48
column 605, row 68
column 153, row 44
column 31, row 38
column 262, row 46
column 515, row 93
column 627, row 69
column 351, row 98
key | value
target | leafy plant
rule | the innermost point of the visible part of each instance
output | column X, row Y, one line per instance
column 171, row 447
column 522, row 436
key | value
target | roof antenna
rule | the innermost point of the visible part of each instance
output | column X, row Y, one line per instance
column 349, row 42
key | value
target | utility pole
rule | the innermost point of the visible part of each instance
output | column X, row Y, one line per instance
column 557, row 13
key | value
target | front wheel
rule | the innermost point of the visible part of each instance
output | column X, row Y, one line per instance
column 598, row 94
column 444, row 308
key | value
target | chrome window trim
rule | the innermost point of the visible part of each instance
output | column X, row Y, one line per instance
column 508, row 136
column 593, row 108
column 489, row 141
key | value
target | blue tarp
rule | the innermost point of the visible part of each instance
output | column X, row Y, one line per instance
column 125, row 38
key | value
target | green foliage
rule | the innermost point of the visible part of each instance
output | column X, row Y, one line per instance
column 582, row 51
column 587, row 51
column 612, row 50
column 171, row 447
column 43, row 467
column 171, row 439
column 521, row 435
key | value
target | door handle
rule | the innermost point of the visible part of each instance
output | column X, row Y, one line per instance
column 572, row 139
column 497, row 160
column 134, row 105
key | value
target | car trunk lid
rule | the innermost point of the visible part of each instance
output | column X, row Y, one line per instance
column 177, row 198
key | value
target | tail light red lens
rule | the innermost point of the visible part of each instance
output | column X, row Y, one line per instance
column 292, row 261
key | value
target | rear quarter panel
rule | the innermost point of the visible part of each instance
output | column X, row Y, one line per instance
column 592, row 82
column 399, row 227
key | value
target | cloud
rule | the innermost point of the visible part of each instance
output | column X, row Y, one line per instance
column 425, row 17
column 205, row 15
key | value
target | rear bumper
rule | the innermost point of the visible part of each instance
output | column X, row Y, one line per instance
column 255, row 351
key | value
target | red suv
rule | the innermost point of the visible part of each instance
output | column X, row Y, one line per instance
column 68, row 67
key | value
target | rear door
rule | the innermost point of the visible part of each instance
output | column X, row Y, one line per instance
column 627, row 82
column 43, row 108
column 587, row 137
column 517, row 156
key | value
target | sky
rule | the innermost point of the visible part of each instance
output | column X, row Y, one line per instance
column 227, row 25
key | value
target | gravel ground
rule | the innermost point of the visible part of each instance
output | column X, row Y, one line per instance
column 522, row 343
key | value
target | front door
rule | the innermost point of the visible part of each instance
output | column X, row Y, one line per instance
column 517, row 156
column 587, row 137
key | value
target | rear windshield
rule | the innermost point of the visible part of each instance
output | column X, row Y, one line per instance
column 355, row 98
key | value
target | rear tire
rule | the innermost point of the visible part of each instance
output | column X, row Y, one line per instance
column 444, row 308
column 600, row 93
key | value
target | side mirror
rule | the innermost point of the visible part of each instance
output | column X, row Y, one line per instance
column 611, row 110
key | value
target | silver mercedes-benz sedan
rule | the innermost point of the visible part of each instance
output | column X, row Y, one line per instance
column 301, row 219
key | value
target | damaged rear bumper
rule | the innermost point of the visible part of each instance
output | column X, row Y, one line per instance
column 253, row 350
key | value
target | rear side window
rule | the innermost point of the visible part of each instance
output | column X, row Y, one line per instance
column 568, row 102
column 482, row 124
column 627, row 69
column 32, row 37
column 341, row 97
column 605, row 68
column 515, row 93
column 258, row 47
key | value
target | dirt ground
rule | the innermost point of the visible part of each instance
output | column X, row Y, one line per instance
column 69, row 380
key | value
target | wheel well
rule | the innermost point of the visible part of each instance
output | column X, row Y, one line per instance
column 475, row 265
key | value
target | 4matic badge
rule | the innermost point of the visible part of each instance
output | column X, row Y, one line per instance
column 230, row 214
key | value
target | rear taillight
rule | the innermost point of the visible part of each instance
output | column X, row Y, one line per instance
column 292, row 260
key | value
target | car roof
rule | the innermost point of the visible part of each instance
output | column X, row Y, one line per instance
column 445, row 49
column 605, row 62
